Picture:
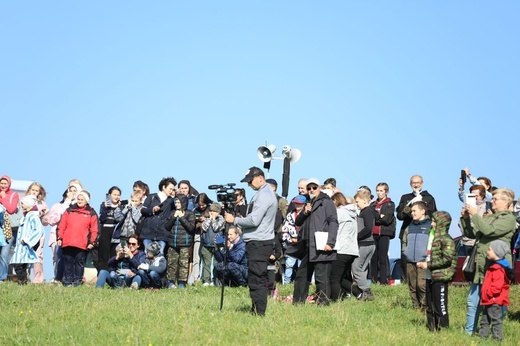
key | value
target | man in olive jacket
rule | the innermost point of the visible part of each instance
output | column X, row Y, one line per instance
column 318, row 216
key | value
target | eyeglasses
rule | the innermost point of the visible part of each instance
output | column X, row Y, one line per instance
column 312, row 188
column 132, row 244
column 498, row 199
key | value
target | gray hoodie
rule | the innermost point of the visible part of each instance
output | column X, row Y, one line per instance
column 346, row 241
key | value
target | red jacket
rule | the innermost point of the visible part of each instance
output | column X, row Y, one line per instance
column 495, row 288
column 78, row 227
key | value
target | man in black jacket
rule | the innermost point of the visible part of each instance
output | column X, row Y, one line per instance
column 319, row 216
column 404, row 210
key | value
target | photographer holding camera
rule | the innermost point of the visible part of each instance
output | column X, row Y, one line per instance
column 258, row 228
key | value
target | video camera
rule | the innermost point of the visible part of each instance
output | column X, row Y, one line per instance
column 226, row 195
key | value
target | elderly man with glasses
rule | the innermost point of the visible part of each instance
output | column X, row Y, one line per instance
column 318, row 224
column 404, row 211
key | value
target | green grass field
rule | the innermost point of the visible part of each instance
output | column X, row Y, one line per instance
column 49, row 314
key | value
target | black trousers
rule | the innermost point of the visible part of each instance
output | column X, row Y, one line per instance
column 379, row 262
column 106, row 249
column 437, row 305
column 258, row 253
column 341, row 276
column 74, row 265
column 322, row 273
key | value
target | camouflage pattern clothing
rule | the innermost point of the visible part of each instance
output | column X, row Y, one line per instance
column 178, row 265
column 443, row 264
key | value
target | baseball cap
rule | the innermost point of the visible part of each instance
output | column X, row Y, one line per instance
column 313, row 181
column 251, row 173
column 299, row 199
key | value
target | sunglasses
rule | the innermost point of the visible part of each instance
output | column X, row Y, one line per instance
column 132, row 243
column 312, row 188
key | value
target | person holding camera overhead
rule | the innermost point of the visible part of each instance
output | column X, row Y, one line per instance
column 258, row 234
column 234, row 270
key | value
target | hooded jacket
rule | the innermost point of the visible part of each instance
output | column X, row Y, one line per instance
column 346, row 241
column 10, row 201
column 443, row 259
column 30, row 231
column 495, row 289
column 181, row 229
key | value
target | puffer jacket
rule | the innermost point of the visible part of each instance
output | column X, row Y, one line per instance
column 181, row 229
column 499, row 225
column 443, row 262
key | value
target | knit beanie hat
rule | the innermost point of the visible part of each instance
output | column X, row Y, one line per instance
column 29, row 201
column 154, row 248
column 85, row 195
column 500, row 248
column 215, row 207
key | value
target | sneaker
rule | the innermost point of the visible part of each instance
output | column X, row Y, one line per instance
column 211, row 284
column 171, row 285
column 134, row 286
column 206, row 284
column 182, row 285
column 356, row 291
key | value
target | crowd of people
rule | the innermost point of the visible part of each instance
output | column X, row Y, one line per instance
column 178, row 236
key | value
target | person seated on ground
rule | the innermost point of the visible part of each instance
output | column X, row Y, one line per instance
column 232, row 271
column 123, row 266
column 152, row 272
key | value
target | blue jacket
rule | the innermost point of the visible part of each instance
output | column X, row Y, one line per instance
column 415, row 240
column 237, row 254
column 127, row 263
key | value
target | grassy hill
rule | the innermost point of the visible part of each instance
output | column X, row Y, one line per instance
column 48, row 314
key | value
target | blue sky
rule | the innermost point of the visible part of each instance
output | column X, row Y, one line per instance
column 112, row 92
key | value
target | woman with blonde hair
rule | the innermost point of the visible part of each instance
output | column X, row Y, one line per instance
column 36, row 189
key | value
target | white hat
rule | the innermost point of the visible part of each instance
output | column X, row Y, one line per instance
column 29, row 201
column 313, row 181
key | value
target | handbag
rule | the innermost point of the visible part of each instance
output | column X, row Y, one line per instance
column 7, row 229
column 470, row 263
column 297, row 250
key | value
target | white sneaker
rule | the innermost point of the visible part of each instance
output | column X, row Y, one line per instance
column 134, row 286
column 211, row 284
column 206, row 284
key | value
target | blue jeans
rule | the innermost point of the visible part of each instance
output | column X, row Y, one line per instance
column 149, row 279
column 147, row 242
column 4, row 259
column 473, row 308
column 289, row 267
column 111, row 278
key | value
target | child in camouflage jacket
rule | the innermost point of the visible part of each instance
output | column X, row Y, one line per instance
column 441, row 265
